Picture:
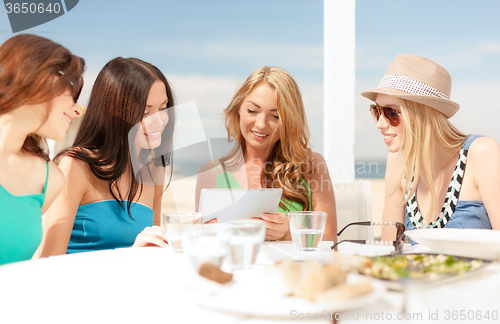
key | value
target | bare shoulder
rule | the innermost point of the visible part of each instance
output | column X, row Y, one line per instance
column 207, row 167
column 483, row 147
column 393, row 171
column 207, row 176
column 483, row 156
column 317, row 158
column 76, row 172
column 318, row 163
column 395, row 162
column 56, row 177
column 317, row 169
column 71, row 174
column 74, row 167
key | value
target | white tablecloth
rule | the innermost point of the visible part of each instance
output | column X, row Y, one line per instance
column 151, row 285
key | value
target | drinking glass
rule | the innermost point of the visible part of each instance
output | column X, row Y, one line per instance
column 206, row 243
column 307, row 229
column 244, row 243
column 174, row 223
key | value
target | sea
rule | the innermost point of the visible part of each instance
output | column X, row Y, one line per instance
column 364, row 169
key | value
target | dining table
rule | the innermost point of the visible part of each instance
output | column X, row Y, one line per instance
column 158, row 285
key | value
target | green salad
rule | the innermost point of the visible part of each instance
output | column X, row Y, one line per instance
column 419, row 266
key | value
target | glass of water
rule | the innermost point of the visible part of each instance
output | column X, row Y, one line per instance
column 245, row 241
column 307, row 229
column 206, row 243
column 173, row 223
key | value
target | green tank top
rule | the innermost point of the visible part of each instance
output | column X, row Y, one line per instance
column 226, row 180
column 20, row 224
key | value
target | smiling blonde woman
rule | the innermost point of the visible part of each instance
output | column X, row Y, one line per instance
column 412, row 107
column 266, row 117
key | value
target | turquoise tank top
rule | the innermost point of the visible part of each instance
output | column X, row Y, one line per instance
column 455, row 213
column 106, row 225
column 226, row 180
column 20, row 224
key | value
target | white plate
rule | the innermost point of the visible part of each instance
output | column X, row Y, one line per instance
column 257, row 293
column 470, row 243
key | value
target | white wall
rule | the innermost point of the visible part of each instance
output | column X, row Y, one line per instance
column 339, row 88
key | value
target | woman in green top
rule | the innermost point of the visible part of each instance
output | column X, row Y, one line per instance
column 266, row 117
column 40, row 82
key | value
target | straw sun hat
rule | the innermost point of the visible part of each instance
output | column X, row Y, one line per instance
column 418, row 79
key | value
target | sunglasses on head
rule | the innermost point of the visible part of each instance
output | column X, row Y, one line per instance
column 389, row 113
column 398, row 243
column 75, row 86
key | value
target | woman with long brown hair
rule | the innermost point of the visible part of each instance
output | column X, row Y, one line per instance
column 267, row 119
column 109, row 201
column 40, row 82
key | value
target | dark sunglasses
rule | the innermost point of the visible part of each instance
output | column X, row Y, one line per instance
column 389, row 113
column 75, row 86
column 398, row 243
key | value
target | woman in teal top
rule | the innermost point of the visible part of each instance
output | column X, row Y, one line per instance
column 267, row 119
column 40, row 82
column 116, row 166
column 411, row 109
column 106, row 225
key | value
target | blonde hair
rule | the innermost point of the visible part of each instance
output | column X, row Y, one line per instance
column 287, row 163
column 425, row 130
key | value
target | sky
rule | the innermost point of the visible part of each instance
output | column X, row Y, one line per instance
column 208, row 48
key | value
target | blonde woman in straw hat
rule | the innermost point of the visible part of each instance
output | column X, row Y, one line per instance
column 411, row 108
column 266, row 117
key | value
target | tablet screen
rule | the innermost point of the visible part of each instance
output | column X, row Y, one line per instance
column 228, row 204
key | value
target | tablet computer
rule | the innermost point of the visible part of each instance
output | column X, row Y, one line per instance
column 228, row 204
